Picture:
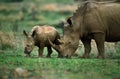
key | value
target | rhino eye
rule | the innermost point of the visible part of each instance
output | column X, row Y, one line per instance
column 69, row 42
column 28, row 45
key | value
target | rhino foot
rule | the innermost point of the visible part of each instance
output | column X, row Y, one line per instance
column 100, row 57
column 48, row 56
column 40, row 56
column 27, row 55
column 85, row 56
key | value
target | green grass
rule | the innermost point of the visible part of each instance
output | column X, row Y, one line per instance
column 57, row 68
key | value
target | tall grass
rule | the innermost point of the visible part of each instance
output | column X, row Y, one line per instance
column 7, row 41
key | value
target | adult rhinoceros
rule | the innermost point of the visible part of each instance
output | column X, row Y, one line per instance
column 92, row 20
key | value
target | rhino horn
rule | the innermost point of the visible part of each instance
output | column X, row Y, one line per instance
column 56, row 47
column 60, row 41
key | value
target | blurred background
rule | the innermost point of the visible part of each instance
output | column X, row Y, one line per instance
column 19, row 15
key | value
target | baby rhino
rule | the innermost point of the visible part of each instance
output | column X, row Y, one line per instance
column 39, row 37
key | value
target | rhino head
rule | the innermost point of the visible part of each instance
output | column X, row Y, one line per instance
column 29, row 43
column 69, row 42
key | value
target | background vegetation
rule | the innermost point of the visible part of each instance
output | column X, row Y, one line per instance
column 17, row 15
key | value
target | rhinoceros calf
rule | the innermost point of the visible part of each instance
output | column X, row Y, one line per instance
column 39, row 37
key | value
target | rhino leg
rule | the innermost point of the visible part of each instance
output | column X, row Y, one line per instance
column 99, row 39
column 87, row 48
column 40, row 50
column 49, row 49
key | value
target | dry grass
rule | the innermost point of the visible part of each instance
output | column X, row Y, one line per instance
column 56, row 7
column 13, row 17
column 109, row 47
column 7, row 40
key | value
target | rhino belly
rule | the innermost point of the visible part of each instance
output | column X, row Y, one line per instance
column 113, row 37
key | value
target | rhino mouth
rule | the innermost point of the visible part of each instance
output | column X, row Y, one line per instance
column 27, row 53
column 64, row 56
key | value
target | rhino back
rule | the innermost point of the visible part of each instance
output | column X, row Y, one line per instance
column 45, row 32
column 99, row 17
column 106, row 19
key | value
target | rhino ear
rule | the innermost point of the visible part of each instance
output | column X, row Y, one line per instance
column 25, row 33
column 69, row 21
column 33, row 34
